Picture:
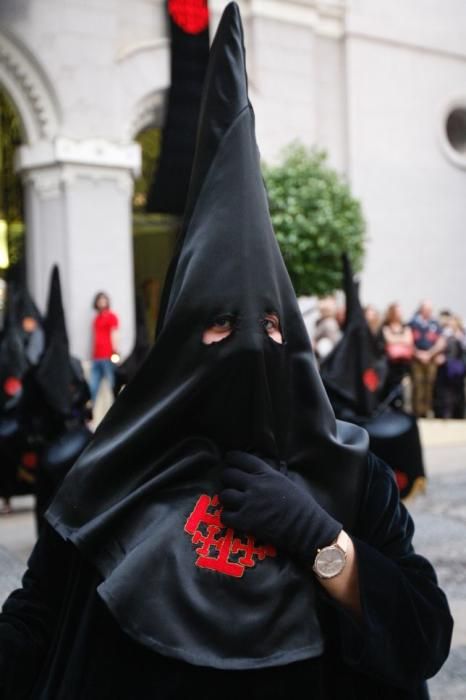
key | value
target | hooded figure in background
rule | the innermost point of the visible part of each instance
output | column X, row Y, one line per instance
column 14, row 366
column 29, row 319
column 354, row 374
column 189, row 53
column 183, row 538
column 55, row 409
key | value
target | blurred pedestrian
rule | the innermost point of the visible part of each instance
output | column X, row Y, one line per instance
column 449, row 395
column 373, row 318
column 399, row 349
column 327, row 331
column 374, row 322
column 429, row 345
column 105, row 343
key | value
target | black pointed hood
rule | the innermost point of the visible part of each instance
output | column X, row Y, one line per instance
column 25, row 305
column 353, row 372
column 224, row 95
column 141, row 502
column 53, row 374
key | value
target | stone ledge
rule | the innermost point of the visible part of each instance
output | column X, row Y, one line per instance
column 437, row 432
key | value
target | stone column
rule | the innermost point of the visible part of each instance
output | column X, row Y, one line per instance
column 78, row 215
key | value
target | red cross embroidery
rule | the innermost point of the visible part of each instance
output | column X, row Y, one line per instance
column 217, row 548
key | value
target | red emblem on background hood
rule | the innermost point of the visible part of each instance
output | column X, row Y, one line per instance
column 29, row 460
column 371, row 380
column 192, row 16
column 401, row 479
column 217, row 547
column 12, row 385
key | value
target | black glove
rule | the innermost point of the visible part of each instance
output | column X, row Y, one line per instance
column 261, row 501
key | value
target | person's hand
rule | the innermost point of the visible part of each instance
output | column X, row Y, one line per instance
column 261, row 501
column 423, row 356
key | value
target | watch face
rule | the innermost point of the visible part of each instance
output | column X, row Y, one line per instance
column 330, row 561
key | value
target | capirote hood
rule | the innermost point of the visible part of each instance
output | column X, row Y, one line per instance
column 54, row 373
column 138, row 500
column 354, row 372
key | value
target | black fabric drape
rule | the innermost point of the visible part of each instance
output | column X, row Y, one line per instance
column 57, row 636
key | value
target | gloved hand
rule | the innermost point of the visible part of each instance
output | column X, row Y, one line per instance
column 261, row 501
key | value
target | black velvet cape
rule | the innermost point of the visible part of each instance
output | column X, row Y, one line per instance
column 59, row 642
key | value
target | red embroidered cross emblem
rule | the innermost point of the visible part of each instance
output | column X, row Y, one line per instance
column 217, row 547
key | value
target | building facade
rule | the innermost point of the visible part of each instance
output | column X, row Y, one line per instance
column 379, row 84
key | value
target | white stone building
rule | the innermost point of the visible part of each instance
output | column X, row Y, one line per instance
column 372, row 81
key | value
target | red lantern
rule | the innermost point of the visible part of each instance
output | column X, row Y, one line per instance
column 192, row 16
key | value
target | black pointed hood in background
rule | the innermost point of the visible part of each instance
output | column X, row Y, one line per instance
column 354, row 372
column 141, row 502
column 54, row 374
column 189, row 50
column 24, row 303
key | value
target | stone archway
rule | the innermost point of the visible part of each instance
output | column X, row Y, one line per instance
column 29, row 89
column 148, row 112
column 32, row 98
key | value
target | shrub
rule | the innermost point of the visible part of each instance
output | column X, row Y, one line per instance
column 315, row 218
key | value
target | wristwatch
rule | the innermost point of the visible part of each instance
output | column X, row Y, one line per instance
column 330, row 561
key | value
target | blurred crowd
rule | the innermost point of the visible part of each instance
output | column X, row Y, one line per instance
column 425, row 354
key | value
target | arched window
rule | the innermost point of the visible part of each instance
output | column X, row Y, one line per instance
column 456, row 129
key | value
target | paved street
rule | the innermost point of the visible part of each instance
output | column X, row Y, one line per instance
column 440, row 518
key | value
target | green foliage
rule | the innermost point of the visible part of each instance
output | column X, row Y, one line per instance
column 315, row 218
column 150, row 141
column 11, row 190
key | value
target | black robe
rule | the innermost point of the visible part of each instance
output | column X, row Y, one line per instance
column 58, row 641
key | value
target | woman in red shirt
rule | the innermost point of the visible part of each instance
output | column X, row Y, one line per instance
column 105, row 326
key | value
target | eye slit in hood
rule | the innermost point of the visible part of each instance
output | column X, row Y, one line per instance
column 272, row 327
column 220, row 328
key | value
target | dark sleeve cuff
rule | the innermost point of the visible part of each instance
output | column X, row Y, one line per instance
column 403, row 635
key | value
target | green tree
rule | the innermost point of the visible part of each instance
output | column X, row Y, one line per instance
column 315, row 218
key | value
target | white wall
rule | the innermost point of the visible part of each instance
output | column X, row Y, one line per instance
column 406, row 62
column 295, row 64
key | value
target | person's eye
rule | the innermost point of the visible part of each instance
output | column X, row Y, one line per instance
column 271, row 325
column 220, row 328
column 223, row 323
